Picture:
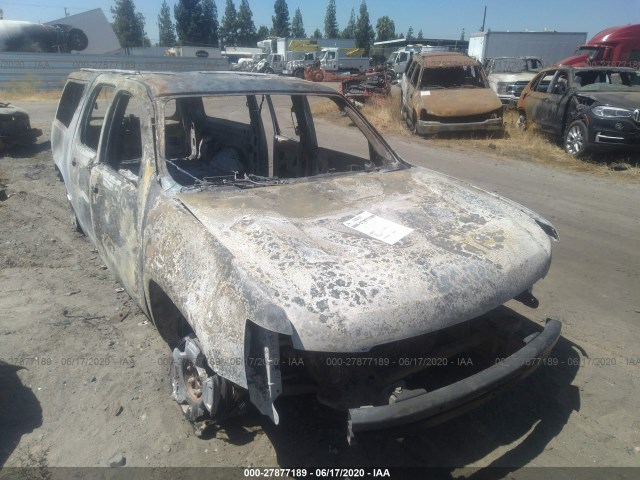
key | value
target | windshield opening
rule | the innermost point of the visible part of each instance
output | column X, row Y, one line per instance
column 452, row 77
column 593, row 53
column 606, row 81
column 265, row 139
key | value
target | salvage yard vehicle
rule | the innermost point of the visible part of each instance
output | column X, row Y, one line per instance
column 590, row 108
column 278, row 252
column 448, row 92
column 509, row 75
column 15, row 127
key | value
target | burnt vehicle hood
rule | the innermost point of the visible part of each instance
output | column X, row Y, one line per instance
column 630, row 100
column 344, row 291
column 457, row 102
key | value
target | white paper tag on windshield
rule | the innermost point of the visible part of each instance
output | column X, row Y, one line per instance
column 378, row 227
column 425, row 93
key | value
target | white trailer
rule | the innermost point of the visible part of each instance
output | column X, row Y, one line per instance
column 548, row 46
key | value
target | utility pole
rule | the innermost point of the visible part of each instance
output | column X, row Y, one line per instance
column 484, row 18
column 66, row 12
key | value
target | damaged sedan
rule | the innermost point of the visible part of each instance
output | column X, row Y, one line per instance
column 590, row 108
column 281, row 247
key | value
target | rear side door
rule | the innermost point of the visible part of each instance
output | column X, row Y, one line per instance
column 119, row 185
column 84, row 153
column 537, row 101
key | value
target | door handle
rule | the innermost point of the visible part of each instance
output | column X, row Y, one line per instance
column 74, row 162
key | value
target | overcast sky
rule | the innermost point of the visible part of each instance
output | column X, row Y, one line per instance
column 436, row 18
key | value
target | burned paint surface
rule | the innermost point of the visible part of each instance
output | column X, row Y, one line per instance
column 460, row 102
column 279, row 256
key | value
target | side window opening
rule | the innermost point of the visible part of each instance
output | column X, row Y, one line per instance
column 123, row 151
column 69, row 102
column 95, row 114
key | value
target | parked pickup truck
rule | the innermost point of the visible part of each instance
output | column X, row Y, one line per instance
column 509, row 75
column 280, row 247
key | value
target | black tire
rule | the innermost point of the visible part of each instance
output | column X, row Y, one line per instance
column 576, row 139
column 318, row 76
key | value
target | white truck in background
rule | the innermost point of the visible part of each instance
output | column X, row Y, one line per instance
column 335, row 59
column 547, row 46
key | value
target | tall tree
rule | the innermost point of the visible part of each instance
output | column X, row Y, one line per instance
column 297, row 27
column 166, row 30
column 263, row 32
column 209, row 23
column 364, row 30
column 196, row 22
column 410, row 33
column 247, row 35
column 281, row 26
column 386, row 29
column 317, row 33
column 420, row 36
column 330, row 21
column 128, row 25
column 350, row 31
column 229, row 25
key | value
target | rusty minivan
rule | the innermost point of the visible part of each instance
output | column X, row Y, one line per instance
column 448, row 92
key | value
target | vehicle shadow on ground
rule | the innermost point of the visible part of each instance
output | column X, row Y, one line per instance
column 526, row 417
column 27, row 151
column 20, row 411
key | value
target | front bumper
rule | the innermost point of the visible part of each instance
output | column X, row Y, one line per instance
column 430, row 127
column 448, row 402
column 608, row 133
column 509, row 101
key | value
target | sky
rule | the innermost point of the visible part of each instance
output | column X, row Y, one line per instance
column 436, row 18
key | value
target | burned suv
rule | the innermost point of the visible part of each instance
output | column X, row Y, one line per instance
column 280, row 246
column 448, row 92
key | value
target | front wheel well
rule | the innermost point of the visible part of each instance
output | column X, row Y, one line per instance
column 167, row 318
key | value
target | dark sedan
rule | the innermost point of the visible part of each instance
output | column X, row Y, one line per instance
column 590, row 108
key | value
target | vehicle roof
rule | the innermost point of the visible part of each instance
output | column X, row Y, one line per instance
column 444, row 59
column 613, row 34
column 160, row 84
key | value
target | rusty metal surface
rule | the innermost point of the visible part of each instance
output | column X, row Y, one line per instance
column 459, row 102
column 446, row 60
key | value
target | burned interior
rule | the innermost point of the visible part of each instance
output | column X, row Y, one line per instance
column 218, row 139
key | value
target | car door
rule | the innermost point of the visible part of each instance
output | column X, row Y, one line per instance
column 553, row 107
column 537, row 100
column 84, row 153
column 118, row 186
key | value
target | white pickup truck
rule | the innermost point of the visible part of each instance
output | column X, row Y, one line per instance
column 335, row 59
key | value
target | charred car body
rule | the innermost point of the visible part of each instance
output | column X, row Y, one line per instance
column 509, row 75
column 279, row 252
column 448, row 92
column 15, row 127
column 591, row 108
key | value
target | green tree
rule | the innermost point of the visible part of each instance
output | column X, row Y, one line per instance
column 350, row 31
column 364, row 30
column 247, row 34
column 386, row 29
column 281, row 26
column 209, row 23
column 166, row 30
column 297, row 27
column 410, row 33
column 229, row 25
column 420, row 37
column 128, row 25
column 317, row 33
column 196, row 22
column 263, row 32
column 330, row 21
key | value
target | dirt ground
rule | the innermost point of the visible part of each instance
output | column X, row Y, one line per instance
column 84, row 376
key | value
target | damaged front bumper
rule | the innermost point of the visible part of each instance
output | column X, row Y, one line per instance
column 426, row 127
column 421, row 409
